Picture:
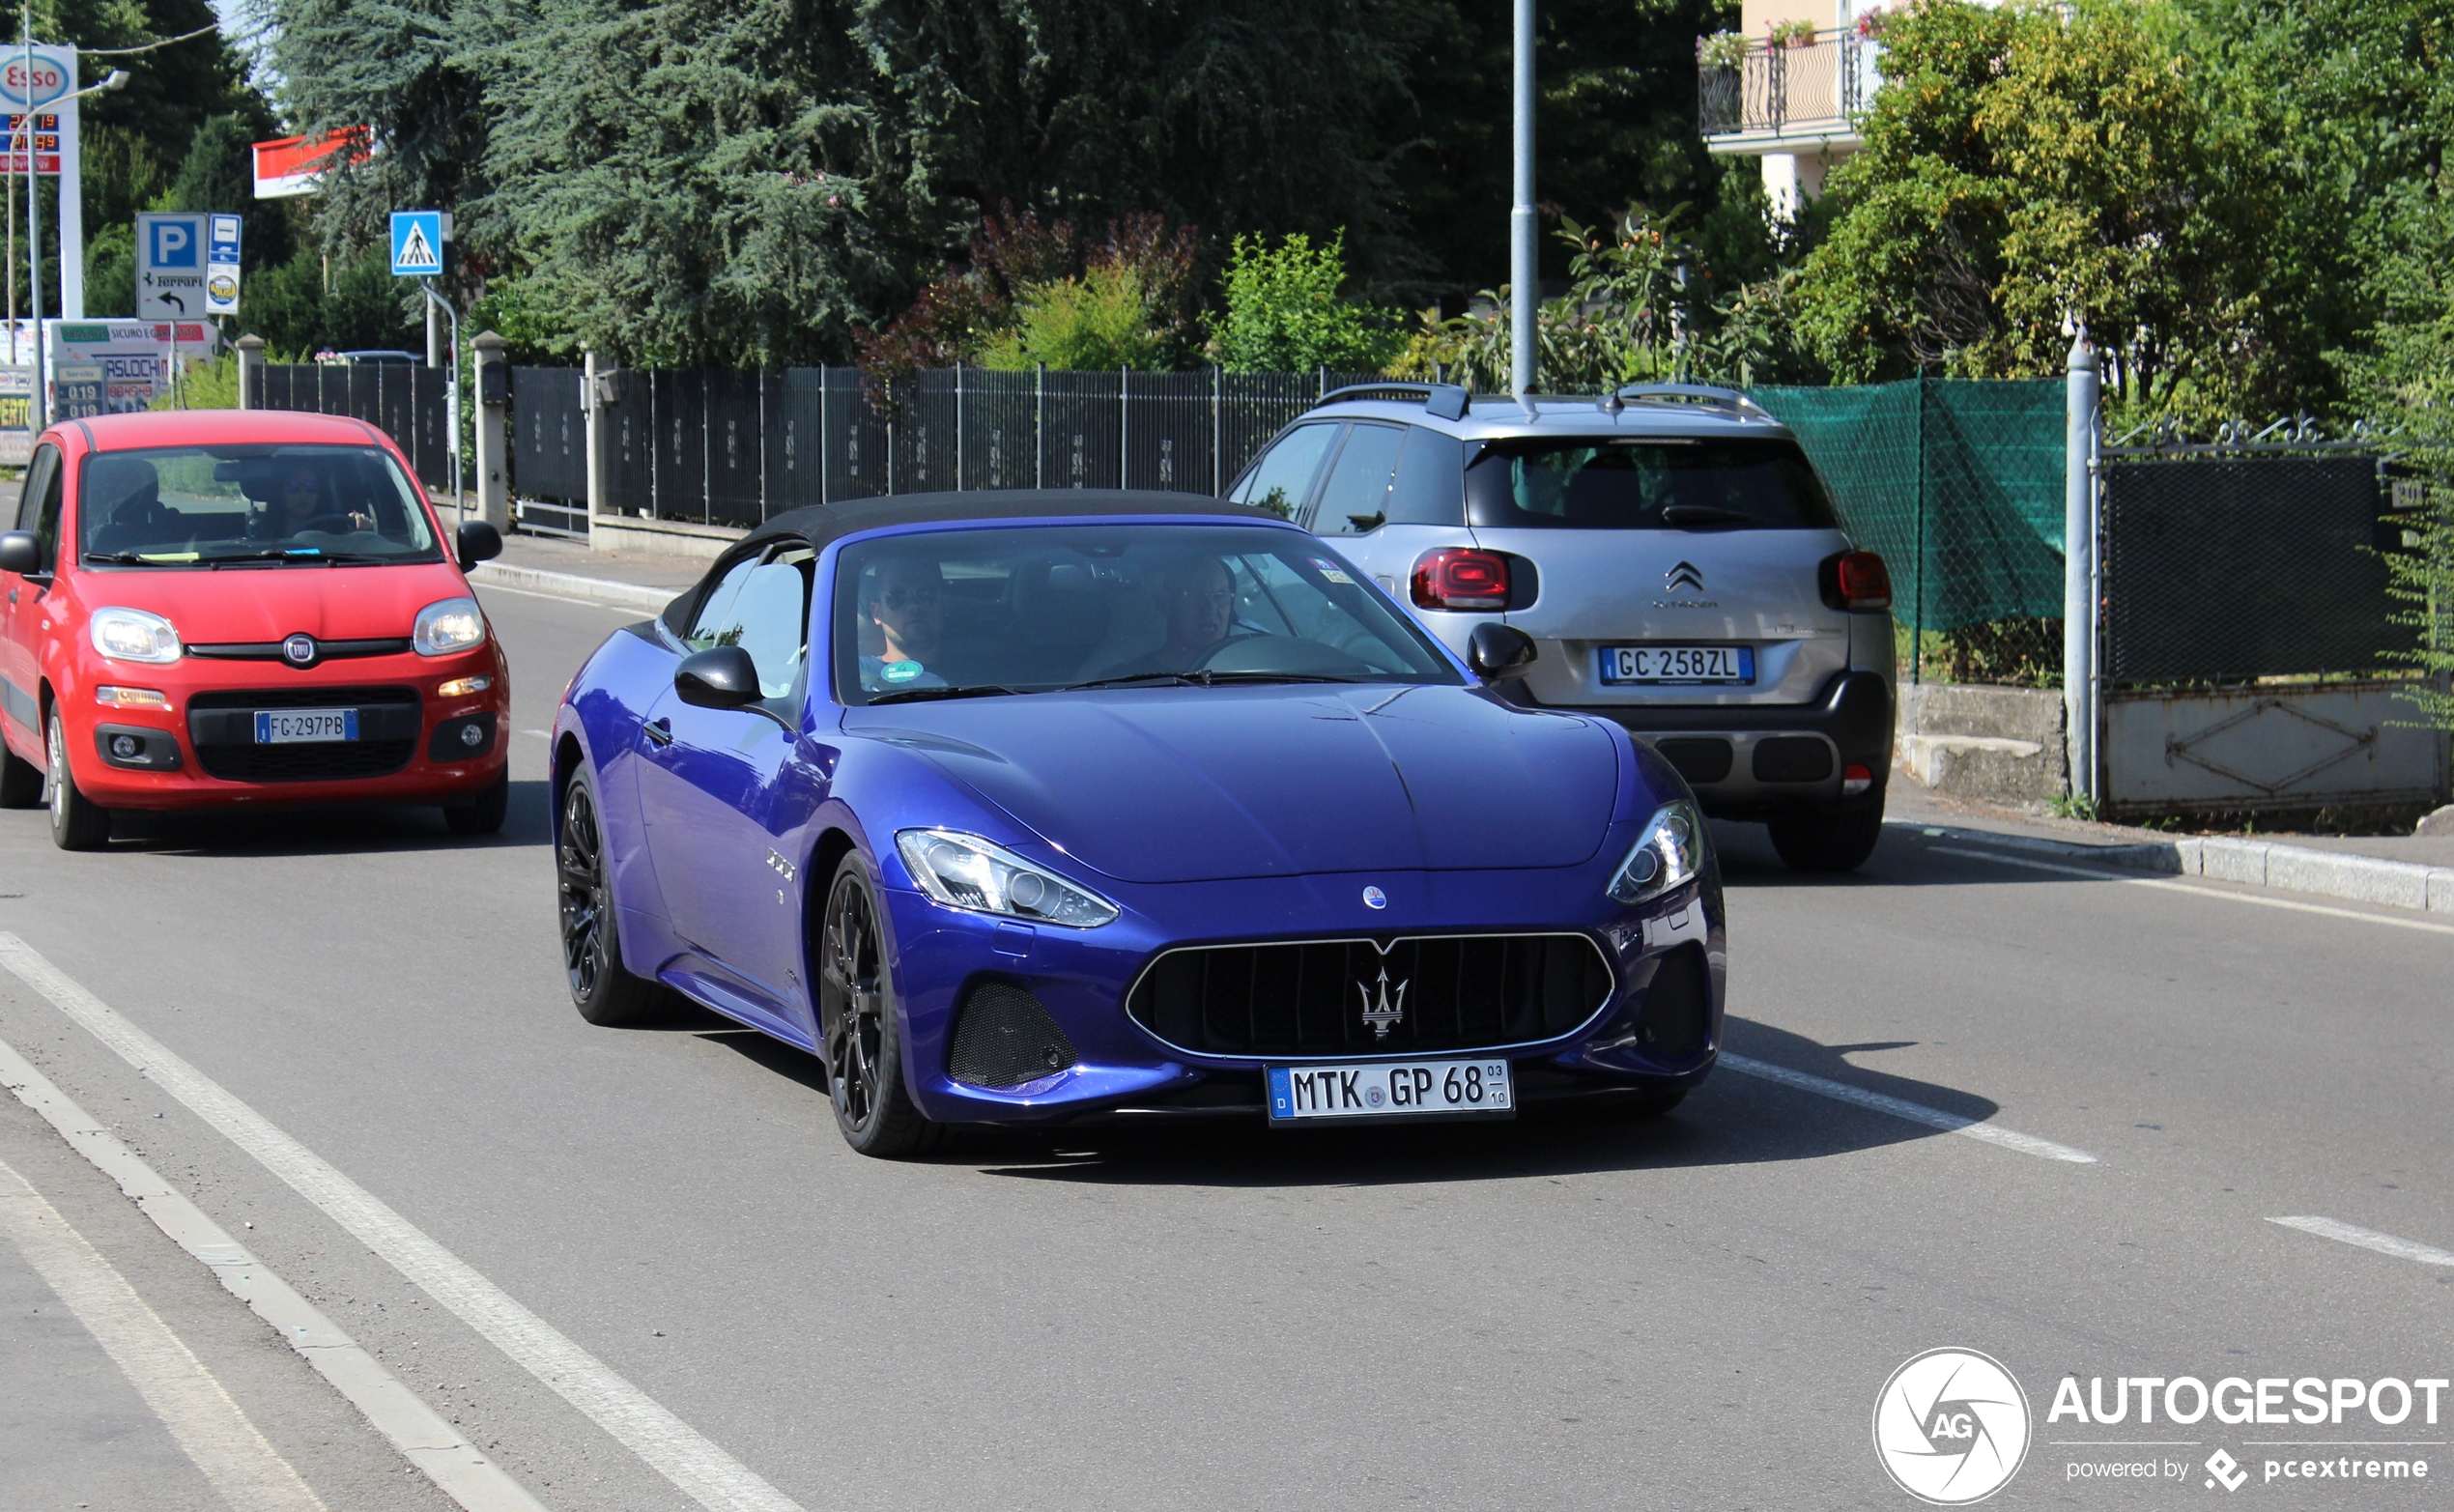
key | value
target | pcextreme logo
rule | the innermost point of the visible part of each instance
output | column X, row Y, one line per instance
column 1951, row 1427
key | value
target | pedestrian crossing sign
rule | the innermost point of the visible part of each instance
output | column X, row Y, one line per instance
column 418, row 243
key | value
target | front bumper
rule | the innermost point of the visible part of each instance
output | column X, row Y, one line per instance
column 1750, row 761
column 943, row 956
column 198, row 752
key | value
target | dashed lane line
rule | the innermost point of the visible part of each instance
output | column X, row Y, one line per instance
column 432, row 1445
column 1915, row 1112
column 2370, row 1238
column 211, row 1429
column 2096, row 874
column 640, row 1424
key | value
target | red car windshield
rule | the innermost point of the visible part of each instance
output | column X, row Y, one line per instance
column 263, row 505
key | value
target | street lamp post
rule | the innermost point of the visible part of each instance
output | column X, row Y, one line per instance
column 1521, row 216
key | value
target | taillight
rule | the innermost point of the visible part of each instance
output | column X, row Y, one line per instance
column 1857, row 581
column 1457, row 577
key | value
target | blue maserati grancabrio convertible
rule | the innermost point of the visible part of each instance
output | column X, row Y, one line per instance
column 1021, row 807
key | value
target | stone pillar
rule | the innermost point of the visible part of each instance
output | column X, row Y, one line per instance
column 494, row 405
column 251, row 371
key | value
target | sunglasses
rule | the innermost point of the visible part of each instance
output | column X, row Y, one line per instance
column 907, row 597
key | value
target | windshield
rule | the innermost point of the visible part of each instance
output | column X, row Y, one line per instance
column 953, row 612
column 1645, row 483
column 186, row 507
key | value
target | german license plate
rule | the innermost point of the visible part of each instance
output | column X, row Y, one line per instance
column 1407, row 1089
column 302, row 726
column 1678, row 664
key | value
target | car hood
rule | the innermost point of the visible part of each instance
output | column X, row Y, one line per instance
column 1184, row 785
column 258, row 604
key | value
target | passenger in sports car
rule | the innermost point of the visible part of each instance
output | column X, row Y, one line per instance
column 906, row 606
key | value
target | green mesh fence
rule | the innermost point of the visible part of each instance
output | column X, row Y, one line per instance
column 1959, row 483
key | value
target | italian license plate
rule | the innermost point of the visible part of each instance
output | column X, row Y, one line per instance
column 1409, row 1089
column 1678, row 664
column 299, row 726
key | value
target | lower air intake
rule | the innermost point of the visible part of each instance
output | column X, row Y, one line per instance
column 1002, row 1038
column 1678, row 1006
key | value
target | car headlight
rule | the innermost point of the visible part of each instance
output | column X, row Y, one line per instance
column 132, row 635
column 453, row 625
column 965, row 872
column 1672, row 852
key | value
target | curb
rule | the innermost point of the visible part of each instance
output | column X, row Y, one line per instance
column 570, row 584
column 2253, row 863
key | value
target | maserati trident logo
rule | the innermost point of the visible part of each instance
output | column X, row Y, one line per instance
column 299, row 649
column 1380, row 1011
column 1683, row 576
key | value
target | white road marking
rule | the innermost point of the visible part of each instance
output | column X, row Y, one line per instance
column 418, row 1431
column 2098, row 875
column 674, row 1449
column 211, row 1430
column 2371, row 1239
column 1914, row 1112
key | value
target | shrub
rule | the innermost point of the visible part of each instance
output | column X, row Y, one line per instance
column 1284, row 313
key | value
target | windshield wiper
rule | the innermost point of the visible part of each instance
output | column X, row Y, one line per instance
column 1681, row 515
column 304, row 554
column 143, row 558
column 923, row 695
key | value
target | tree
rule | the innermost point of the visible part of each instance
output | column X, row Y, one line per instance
column 1284, row 312
column 2023, row 170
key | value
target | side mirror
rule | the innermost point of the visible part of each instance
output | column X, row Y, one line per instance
column 720, row 678
column 21, row 554
column 478, row 542
column 1500, row 652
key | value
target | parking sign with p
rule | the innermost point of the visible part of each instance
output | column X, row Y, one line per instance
column 170, row 267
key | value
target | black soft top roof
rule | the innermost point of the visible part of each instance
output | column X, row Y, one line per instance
column 822, row 524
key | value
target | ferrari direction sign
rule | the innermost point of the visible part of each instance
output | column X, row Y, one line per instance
column 170, row 267
column 418, row 243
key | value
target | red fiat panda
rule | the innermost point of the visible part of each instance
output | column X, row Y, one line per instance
column 208, row 607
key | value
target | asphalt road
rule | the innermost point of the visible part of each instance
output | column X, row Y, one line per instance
column 1697, row 1312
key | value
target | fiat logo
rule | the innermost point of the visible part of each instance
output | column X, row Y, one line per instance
column 298, row 650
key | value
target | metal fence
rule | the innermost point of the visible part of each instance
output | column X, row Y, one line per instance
column 406, row 402
column 2233, row 566
column 1824, row 84
column 729, row 448
column 1958, row 484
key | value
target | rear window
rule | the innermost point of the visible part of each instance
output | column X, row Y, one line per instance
column 1645, row 483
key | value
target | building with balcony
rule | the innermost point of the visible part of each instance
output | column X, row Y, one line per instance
column 1789, row 87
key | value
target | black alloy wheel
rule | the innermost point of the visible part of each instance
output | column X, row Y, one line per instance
column 862, row 1041
column 601, row 990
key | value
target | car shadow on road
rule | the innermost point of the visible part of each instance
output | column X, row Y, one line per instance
column 1904, row 857
column 1733, row 1118
column 266, row 831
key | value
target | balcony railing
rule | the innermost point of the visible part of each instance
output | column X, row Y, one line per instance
column 1818, row 87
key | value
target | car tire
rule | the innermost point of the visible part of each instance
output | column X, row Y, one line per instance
column 21, row 781
column 604, row 991
column 484, row 814
column 860, row 1033
column 77, row 822
column 1838, row 841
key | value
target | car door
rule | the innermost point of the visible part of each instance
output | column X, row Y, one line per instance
column 713, row 784
column 1393, row 494
column 21, row 603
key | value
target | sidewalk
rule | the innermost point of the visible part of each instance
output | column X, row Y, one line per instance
column 2395, row 870
column 571, row 569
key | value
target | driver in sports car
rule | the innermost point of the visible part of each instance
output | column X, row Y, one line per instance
column 1197, row 600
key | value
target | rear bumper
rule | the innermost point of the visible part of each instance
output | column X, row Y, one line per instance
column 1746, row 763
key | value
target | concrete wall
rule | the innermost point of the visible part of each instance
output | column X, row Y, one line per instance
column 1972, row 741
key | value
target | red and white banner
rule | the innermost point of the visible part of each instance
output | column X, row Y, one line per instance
column 291, row 164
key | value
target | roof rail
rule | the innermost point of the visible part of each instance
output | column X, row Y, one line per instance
column 1445, row 400
column 1704, row 395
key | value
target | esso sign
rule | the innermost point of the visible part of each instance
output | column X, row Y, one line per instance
column 49, row 79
